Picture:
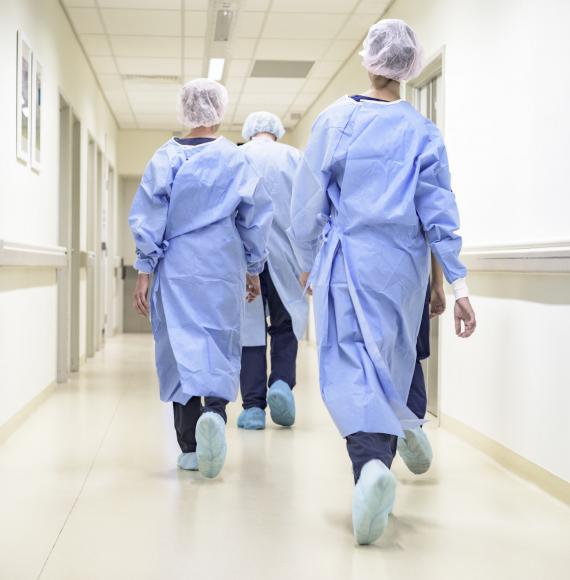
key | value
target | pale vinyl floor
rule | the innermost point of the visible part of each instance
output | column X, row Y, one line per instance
column 90, row 491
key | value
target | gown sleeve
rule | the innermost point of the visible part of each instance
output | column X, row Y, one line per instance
column 254, row 217
column 149, row 210
column 310, row 205
column 437, row 208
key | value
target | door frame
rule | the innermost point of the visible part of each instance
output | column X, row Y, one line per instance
column 432, row 366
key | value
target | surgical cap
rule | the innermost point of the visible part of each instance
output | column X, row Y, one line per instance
column 202, row 103
column 392, row 50
column 262, row 122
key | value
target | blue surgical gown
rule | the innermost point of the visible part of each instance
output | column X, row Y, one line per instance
column 371, row 196
column 200, row 218
column 277, row 163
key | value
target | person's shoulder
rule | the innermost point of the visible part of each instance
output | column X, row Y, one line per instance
column 421, row 123
column 336, row 114
column 288, row 150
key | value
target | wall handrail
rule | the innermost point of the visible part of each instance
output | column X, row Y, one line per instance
column 16, row 254
column 547, row 257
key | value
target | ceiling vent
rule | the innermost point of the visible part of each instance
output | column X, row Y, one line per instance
column 224, row 19
column 152, row 78
column 295, row 116
column 286, row 69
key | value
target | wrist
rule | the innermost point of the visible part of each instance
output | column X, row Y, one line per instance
column 460, row 288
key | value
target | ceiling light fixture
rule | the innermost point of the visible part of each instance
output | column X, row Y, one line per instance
column 216, row 69
column 223, row 25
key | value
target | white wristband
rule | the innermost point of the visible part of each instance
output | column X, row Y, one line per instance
column 460, row 288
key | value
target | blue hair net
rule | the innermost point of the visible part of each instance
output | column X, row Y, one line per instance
column 262, row 122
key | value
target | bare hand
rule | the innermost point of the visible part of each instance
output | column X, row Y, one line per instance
column 140, row 300
column 437, row 301
column 464, row 314
column 303, row 279
column 252, row 287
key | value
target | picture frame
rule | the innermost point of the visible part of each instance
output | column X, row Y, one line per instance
column 23, row 99
column 37, row 116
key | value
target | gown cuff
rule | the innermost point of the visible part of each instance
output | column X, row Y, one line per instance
column 460, row 288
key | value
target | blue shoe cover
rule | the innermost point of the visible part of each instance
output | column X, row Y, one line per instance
column 281, row 404
column 211, row 444
column 416, row 450
column 188, row 461
column 372, row 502
column 252, row 418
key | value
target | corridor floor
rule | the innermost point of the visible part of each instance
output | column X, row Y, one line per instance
column 90, row 491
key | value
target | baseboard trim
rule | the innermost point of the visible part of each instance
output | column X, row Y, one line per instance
column 15, row 421
column 548, row 482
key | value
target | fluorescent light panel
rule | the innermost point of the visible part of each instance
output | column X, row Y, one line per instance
column 216, row 69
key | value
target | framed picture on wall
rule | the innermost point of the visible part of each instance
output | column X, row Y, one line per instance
column 37, row 96
column 23, row 99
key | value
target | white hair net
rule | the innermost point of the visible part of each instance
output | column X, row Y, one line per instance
column 392, row 50
column 202, row 103
column 262, row 122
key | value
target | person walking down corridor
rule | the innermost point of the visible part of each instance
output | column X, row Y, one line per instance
column 200, row 219
column 282, row 295
column 371, row 198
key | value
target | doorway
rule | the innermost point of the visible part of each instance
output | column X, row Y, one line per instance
column 91, row 247
column 68, row 279
column 426, row 94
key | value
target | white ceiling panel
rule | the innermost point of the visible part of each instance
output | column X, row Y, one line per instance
column 261, row 99
column 197, row 5
column 96, row 44
column 239, row 68
column 141, row 4
column 86, row 20
column 103, row 64
column 148, row 66
column 317, row 6
column 325, row 69
column 195, row 23
column 255, row 4
column 242, row 47
column 293, row 26
column 315, row 85
column 244, row 110
column 110, row 81
column 300, row 49
column 375, row 7
column 304, row 100
column 194, row 47
column 340, row 50
column 357, row 27
column 249, row 24
column 234, row 86
column 192, row 69
column 145, row 22
column 80, row 3
column 146, row 46
column 256, row 85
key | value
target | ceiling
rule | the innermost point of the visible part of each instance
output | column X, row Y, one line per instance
column 141, row 51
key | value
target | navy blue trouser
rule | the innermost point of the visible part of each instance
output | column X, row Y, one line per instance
column 186, row 417
column 361, row 446
column 253, row 377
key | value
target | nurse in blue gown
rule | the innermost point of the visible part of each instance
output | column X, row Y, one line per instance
column 371, row 198
column 282, row 295
column 201, row 220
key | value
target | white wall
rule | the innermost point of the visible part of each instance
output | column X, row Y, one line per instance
column 29, row 202
column 507, row 130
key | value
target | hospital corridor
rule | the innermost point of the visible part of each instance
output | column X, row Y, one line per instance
column 284, row 289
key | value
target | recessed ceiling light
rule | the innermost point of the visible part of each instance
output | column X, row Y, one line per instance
column 223, row 25
column 290, row 69
column 216, row 69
